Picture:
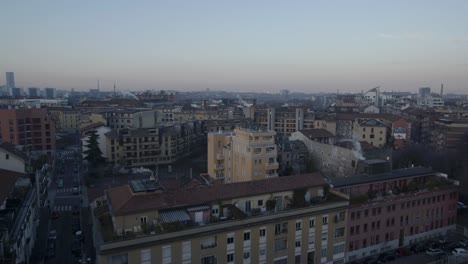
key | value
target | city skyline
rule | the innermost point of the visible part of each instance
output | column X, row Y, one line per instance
column 239, row 46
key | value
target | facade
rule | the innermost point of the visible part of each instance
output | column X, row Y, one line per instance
column 424, row 91
column 128, row 118
column 65, row 119
column 396, row 209
column 242, row 155
column 432, row 100
column 12, row 158
column 281, row 220
column 32, row 128
column 19, row 219
column 449, row 133
column 10, row 82
column 284, row 120
column 372, row 131
column 152, row 146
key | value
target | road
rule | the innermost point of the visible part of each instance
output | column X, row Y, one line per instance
column 66, row 213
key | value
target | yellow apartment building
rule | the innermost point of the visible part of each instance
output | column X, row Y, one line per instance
column 242, row 155
column 283, row 220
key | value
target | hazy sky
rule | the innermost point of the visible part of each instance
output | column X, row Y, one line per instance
column 236, row 45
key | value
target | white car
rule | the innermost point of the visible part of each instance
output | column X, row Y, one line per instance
column 434, row 251
column 461, row 205
column 459, row 251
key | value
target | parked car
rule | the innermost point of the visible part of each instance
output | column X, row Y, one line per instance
column 76, row 246
column 76, row 210
column 76, row 191
column 53, row 234
column 461, row 205
column 459, row 251
column 434, row 251
column 79, row 235
column 463, row 242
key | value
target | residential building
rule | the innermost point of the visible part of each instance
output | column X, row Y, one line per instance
column 449, row 133
column 12, row 158
column 224, row 124
column 65, row 119
column 32, row 128
column 284, row 120
column 130, row 118
column 242, row 155
column 432, row 100
column 424, row 91
column 372, row 131
column 291, row 219
column 395, row 209
column 33, row 92
column 20, row 217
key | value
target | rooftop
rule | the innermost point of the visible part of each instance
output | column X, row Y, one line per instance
column 395, row 174
column 123, row 201
column 9, row 179
column 13, row 149
column 316, row 133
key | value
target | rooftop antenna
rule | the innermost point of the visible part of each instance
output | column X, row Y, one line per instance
column 442, row 90
column 98, row 84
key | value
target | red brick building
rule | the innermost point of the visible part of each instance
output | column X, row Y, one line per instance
column 395, row 209
column 32, row 128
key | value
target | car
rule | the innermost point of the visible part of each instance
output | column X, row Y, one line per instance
column 76, row 227
column 459, row 251
column 79, row 235
column 434, row 251
column 463, row 242
column 461, row 205
column 76, row 191
column 55, row 215
column 76, row 210
column 76, row 246
column 53, row 234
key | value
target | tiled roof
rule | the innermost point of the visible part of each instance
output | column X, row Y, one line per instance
column 7, row 182
column 11, row 148
column 124, row 202
column 316, row 133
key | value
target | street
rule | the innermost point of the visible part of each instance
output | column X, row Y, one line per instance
column 64, row 235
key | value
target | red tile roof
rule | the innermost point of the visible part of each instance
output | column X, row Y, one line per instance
column 123, row 201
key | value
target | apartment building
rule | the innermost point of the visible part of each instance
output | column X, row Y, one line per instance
column 242, row 155
column 282, row 220
column 32, row 128
column 65, row 119
column 449, row 133
column 163, row 144
column 284, row 120
column 133, row 118
column 372, row 131
column 12, row 158
column 398, row 208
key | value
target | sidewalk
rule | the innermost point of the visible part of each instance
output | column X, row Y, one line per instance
column 40, row 247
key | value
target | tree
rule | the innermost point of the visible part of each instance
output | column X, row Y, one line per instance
column 93, row 153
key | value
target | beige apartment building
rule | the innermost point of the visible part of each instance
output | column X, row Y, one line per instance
column 242, row 155
column 372, row 131
column 284, row 120
column 283, row 220
column 65, row 119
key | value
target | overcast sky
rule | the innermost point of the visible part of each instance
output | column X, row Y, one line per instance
column 307, row 46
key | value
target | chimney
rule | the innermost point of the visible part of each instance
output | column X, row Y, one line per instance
column 442, row 90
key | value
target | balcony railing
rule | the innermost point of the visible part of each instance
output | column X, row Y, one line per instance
column 220, row 166
column 219, row 156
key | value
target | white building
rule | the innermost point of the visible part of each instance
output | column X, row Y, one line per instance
column 11, row 158
column 433, row 100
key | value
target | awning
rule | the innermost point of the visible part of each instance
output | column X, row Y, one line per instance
column 174, row 216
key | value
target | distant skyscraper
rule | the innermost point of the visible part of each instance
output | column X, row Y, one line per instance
column 50, row 93
column 33, row 92
column 424, row 91
column 16, row 92
column 10, row 82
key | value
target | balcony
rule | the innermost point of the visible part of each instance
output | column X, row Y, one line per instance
column 219, row 167
column 272, row 166
column 219, row 156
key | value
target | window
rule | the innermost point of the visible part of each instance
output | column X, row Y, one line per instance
column 298, row 243
column 297, row 259
column 247, row 236
column 325, row 220
column 166, row 254
column 246, row 254
column 351, row 230
column 312, row 222
column 338, row 248
column 339, row 232
column 230, row 240
column 260, row 202
column 280, row 244
column 145, row 256
column 262, row 232
column 230, row 257
column 208, row 260
column 365, row 228
column 324, row 253
column 298, row 225
column 7, row 156
column 118, row 259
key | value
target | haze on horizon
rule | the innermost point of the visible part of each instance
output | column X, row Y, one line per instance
column 262, row 46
